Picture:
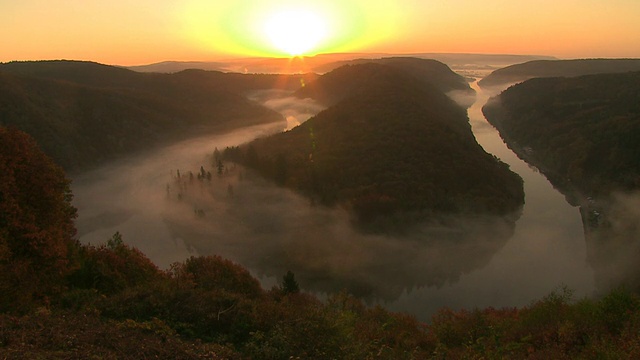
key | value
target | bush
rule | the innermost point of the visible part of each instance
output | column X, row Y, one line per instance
column 112, row 267
column 216, row 273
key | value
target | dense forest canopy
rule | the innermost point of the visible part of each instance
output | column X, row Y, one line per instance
column 391, row 145
column 584, row 131
column 85, row 113
column 557, row 68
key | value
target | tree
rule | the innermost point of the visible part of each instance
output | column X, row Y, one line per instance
column 281, row 170
column 289, row 283
column 220, row 167
column 36, row 221
column 112, row 267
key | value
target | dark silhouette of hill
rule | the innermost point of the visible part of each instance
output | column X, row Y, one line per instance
column 461, row 59
column 363, row 73
column 390, row 146
column 583, row 133
column 78, row 72
column 243, row 83
column 583, row 130
column 558, row 68
column 177, row 66
column 85, row 113
column 182, row 84
column 323, row 63
column 256, row 65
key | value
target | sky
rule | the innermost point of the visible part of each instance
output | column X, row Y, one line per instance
column 147, row 31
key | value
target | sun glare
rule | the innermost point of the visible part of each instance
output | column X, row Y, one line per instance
column 295, row 31
column 277, row 28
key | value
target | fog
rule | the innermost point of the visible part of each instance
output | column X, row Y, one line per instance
column 547, row 250
column 270, row 229
column 294, row 110
column 455, row 262
column 129, row 195
column 613, row 239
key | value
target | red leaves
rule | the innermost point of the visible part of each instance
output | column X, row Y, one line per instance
column 36, row 216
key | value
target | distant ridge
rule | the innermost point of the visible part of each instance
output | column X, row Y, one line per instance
column 323, row 63
column 177, row 66
column 558, row 68
column 450, row 59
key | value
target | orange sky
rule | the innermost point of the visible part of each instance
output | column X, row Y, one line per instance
column 145, row 31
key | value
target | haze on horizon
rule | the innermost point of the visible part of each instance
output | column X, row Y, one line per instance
column 145, row 31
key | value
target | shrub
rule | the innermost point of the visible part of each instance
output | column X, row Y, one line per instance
column 112, row 267
column 216, row 273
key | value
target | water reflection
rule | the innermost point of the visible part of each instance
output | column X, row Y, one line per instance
column 272, row 230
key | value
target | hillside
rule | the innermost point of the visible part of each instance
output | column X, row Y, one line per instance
column 358, row 75
column 583, row 133
column 83, row 114
column 557, row 68
column 183, row 84
column 392, row 147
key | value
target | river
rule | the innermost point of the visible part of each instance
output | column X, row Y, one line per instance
column 546, row 252
column 270, row 230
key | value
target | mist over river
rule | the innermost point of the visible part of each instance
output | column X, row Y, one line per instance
column 547, row 250
column 477, row 262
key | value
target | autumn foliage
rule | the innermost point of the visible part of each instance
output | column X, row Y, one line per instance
column 62, row 300
column 36, row 220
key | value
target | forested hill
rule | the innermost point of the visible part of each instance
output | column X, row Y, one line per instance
column 392, row 148
column 360, row 74
column 584, row 131
column 181, row 84
column 558, row 68
column 83, row 114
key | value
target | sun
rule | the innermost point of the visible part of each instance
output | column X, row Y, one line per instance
column 296, row 31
